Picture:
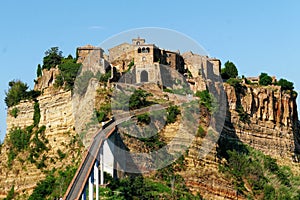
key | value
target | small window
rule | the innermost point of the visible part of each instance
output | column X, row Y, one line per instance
column 139, row 50
column 138, row 43
column 144, row 58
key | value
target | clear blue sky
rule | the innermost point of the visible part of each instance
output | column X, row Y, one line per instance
column 258, row 36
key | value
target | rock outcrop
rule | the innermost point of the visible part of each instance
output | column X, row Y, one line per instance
column 56, row 112
column 272, row 118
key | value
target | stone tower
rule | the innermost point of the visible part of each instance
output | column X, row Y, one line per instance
column 146, row 61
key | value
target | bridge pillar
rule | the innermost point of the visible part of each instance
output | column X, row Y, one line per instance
column 91, row 186
column 101, row 166
column 96, row 175
column 83, row 196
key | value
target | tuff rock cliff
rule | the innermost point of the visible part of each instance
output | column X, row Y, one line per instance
column 56, row 114
column 269, row 124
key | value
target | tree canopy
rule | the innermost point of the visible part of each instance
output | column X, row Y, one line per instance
column 265, row 79
column 17, row 91
column 138, row 99
column 285, row 84
column 53, row 57
column 229, row 71
column 39, row 71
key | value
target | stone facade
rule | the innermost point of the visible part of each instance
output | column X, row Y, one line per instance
column 92, row 59
column 147, row 58
column 202, row 69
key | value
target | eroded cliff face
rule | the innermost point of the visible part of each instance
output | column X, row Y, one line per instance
column 56, row 112
column 272, row 119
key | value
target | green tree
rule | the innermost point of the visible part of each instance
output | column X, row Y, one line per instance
column 138, row 99
column 229, row 71
column 285, row 84
column 17, row 91
column 265, row 79
column 68, row 73
column 39, row 71
column 53, row 57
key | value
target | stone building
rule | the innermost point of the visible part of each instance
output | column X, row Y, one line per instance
column 173, row 59
column 92, row 59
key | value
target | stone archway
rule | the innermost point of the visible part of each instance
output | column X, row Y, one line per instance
column 144, row 76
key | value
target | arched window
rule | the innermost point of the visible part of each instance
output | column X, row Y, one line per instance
column 144, row 76
column 139, row 50
column 138, row 43
column 143, row 50
column 148, row 50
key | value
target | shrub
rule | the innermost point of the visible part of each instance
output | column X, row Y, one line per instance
column 36, row 114
column 200, row 132
column 103, row 113
column 61, row 155
column 207, row 100
column 265, row 79
column 19, row 139
column 144, row 118
column 172, row 112
column 105, row 77
column 269, row 192
column 130, row 65
column 14, row 112
column 243, row 115
column 168, row 90
column 43, row 188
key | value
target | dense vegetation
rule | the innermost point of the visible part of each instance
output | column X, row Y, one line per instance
column 19, row 140
column 164, row 184
column 14, row 112
column 255, row 175
column 68, row 73
column 54, row 185
column 285, row 84
column 53, row 57
column 207, row 100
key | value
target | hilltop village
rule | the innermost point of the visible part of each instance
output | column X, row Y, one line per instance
column 44, row 145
